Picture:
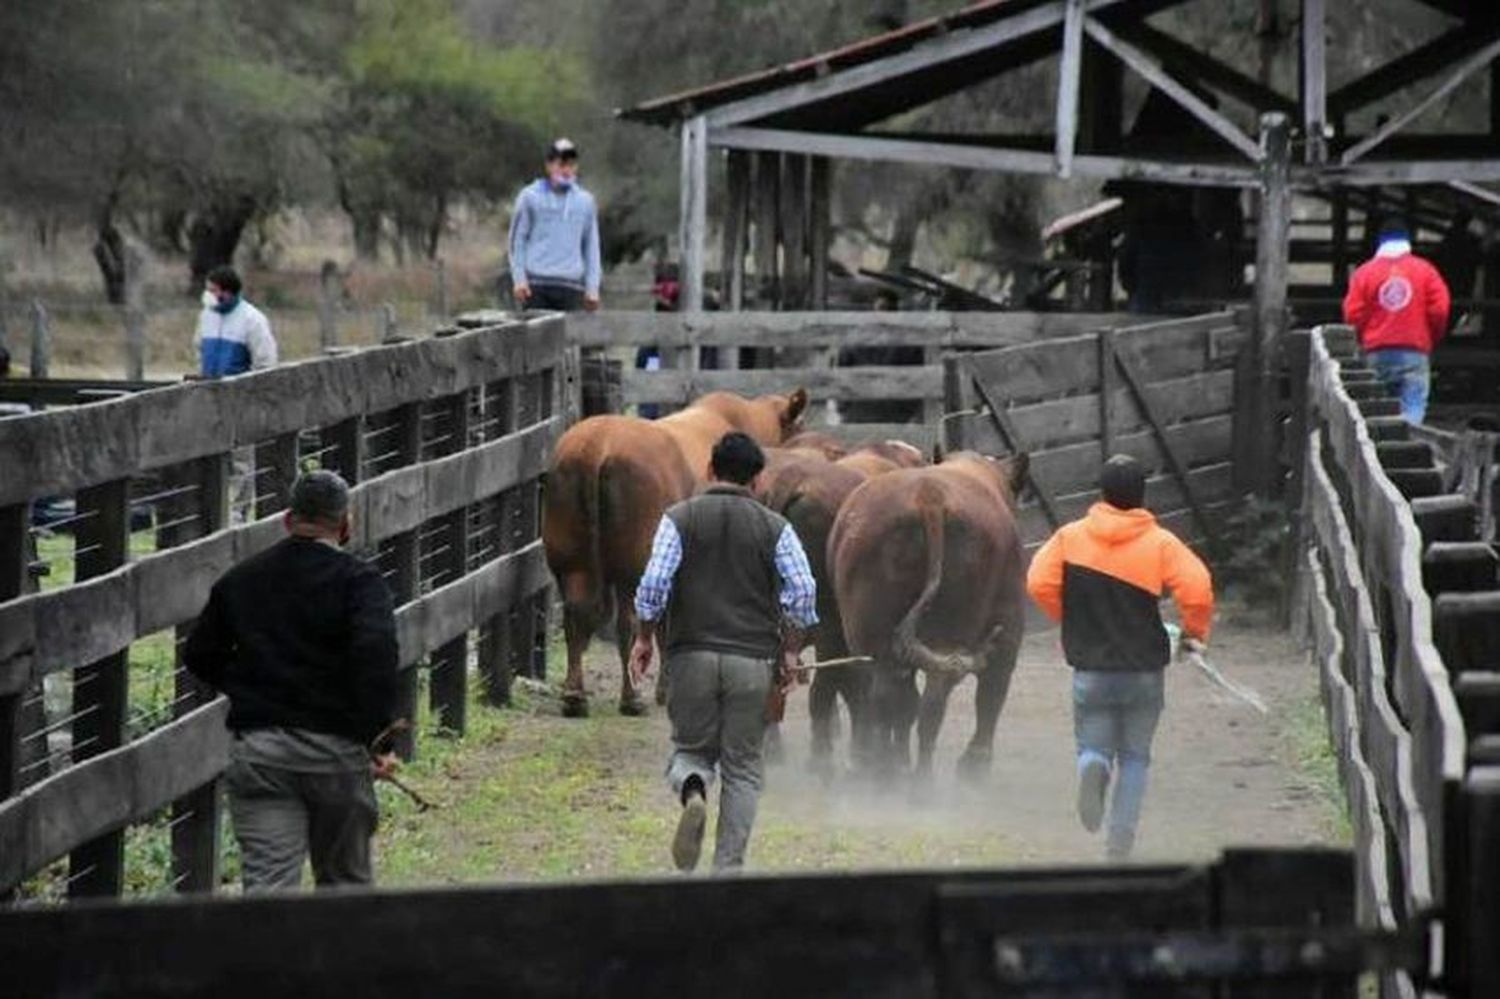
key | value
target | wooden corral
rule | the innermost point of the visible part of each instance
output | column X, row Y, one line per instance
column 445, row 441
column 1398, row 589
column 807, row 348
column 1162, row 392
column 1166, row 931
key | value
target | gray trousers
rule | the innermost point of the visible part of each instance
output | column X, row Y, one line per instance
column 717, row 704
column 280, row 816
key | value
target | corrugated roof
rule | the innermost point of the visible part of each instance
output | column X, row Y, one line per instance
column 674, row 107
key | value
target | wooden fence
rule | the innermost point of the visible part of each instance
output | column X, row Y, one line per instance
column 1408, row 666
column 1162, row 392
column 444, row 440
column 807, row 347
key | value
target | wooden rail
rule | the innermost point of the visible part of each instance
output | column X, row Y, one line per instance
column 1409, row 706
column 444, row 442
column 1162, row 392
column 828, row 353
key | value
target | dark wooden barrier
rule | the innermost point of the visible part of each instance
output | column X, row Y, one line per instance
column 444, row 441
column 806, row 347
column 1272, row 922
column 1408, row 694
column 1162, row 392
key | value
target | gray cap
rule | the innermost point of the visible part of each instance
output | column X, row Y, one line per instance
column 321, row 496
column 562, row 149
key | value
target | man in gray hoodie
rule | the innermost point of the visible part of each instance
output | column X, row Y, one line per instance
column 554, row 238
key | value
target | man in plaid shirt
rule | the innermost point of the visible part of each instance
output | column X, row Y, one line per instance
column 730, row 596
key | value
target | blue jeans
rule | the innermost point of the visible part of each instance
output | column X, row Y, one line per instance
column 1114, row 721
column 1405, row 373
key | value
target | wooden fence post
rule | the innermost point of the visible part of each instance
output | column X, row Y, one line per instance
column 1108, row 379
column 328, row 297
column 15, row 522
column 1480, row 922
column 694, row 211
column 820, row 224
column 197, row 816
column 1272, row 260
column 386, row 323
column 41, row 339
column 406, row 582
column 440, row 288
column 736, row 233
column 497, row 647
column 135, row 312
column 448, row 672
column 100, row 689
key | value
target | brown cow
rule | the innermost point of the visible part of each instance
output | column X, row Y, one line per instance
column 610, row 480
column 929, row 575
column 809, row 493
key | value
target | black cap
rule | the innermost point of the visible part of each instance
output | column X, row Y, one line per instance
column 1123, row 482
column 562, row 149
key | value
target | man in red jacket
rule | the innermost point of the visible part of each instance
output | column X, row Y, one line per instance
column 1399, row 304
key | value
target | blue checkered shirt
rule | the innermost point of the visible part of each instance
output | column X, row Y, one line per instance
column 799, row 591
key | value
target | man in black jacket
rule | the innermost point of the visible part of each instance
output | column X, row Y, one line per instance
column 302, row 640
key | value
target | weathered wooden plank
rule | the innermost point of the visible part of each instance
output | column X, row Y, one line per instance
column 1075, row 467
column 1077, row 418
column 924, row 925
column 67, row 450
column 875, row 382
column 110, row 791
column 833, row 329
column 59, row 629
column 445, row 613
column 1164, row 497
column 1070, row 366
column 1135, row 381
column 919, row 435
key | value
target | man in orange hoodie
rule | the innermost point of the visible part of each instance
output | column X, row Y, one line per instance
column 1400, row 305
column 1102, row 576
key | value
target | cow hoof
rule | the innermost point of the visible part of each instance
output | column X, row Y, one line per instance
column 632, row 707
column 973, row 767
column 575, row 704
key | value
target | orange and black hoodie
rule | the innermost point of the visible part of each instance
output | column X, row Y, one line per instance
column 1102, row 576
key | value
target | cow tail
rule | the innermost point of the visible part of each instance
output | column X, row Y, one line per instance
column 909, row 650
column 596, row 511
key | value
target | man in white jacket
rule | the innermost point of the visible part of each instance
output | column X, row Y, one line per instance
column 233, row 337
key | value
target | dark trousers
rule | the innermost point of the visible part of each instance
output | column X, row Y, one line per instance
column 281, row 816
column 555, row 297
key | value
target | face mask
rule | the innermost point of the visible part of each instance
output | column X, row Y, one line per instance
column 209, row 299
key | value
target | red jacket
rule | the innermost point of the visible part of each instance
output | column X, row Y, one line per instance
column 1398, row 302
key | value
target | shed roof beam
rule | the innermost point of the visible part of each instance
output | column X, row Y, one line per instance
column 894, row 149
column 1069, row 77
column 1466, row 69
column 1416, row 65
column 1146, row 65
column 945, row 48
column 1187, row 61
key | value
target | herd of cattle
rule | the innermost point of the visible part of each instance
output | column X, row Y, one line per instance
column 918, row 565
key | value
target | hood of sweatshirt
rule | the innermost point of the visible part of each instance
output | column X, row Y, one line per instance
column 1110, row 525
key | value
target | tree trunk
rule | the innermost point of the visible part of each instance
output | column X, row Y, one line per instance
column 215, row 234
column 109, row 254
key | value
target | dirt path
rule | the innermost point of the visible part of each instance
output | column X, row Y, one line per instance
column 530, row 794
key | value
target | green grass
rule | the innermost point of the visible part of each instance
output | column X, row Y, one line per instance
column 1313, row 755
